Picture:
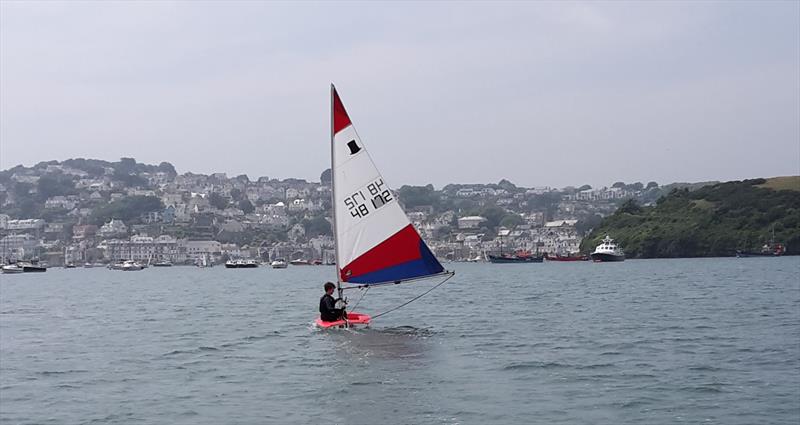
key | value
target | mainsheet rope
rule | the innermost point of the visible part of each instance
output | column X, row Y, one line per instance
column 411, row 300
column 363, row 294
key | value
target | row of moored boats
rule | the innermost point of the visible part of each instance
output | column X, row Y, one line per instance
column 279, row 263
column 24, row 267
column 607, row 251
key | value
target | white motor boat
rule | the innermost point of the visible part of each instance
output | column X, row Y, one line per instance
column 131, row 265
column 278, row 264
column 12, row 268
column 607, row 251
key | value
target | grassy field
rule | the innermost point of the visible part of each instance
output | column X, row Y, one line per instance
column 783, row 183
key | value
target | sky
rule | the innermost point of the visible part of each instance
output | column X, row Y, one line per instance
column 539, row 93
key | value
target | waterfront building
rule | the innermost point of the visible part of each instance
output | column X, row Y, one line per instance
column 197, row 250
column 17, row 247
column 144, row 248
column 25, row 224
column 113, row 228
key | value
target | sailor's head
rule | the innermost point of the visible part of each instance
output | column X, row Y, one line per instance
column 329, row 287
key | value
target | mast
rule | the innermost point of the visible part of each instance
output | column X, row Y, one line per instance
column 333, row 203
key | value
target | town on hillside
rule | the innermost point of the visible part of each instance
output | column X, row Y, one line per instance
column 85, row 211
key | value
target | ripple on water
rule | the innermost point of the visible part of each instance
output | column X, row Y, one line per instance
column 637, row 343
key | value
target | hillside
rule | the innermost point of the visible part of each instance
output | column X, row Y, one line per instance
column 714, row 220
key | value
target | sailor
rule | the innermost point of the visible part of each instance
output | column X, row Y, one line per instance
column 327, row 305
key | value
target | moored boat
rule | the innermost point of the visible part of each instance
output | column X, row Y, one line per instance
column 517, row 257
column 241, row 264
column 32, row 267
column 565, row 258
column 117, row 265
column 769, row 249
column 131, row 265
column 278, row 263
column 607, row 251
column 12, row 269
column 204, row 262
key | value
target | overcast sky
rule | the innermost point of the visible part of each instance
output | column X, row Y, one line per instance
column 543, row 94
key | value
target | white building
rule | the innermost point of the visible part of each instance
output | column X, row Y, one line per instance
column 560, row 223
column 470, row 222
column 196, row 250
column 113, row 228
column 60, row 202
column 17, row 247
column 145, row 249
column 25, row 224
column 292, row 193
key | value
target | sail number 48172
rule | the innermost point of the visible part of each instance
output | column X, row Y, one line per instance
column 360, row 205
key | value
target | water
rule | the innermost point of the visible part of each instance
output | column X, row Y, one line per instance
column 646, row 342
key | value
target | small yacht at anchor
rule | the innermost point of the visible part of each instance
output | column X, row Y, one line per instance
column 12, row 268
column 131, row 265
column 607, row 251
column 278, row 263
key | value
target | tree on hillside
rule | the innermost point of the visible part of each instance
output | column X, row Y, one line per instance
column 588, row 223
column 493, row 215
column 619, row 184
column 630, row 206
column 415, row 196
column 246, row 206
column 325, row 177
column 94, row 167
column 126, row 209
column 217, row 201
column 55, row 185
column 22, row 190
column 236, row 195
column 125, row 166
column 129, row 180
column 507, row 185
column 547, row 202
column 166, row 167
column 28, row 208
column 317, row 226
column 584, row 187
column 511, row 220
column 651, row 185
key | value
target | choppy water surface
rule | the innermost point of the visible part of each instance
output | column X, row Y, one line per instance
column 647, row 342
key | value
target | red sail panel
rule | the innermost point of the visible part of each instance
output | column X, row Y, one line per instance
column 340, row 118
column 402, row 247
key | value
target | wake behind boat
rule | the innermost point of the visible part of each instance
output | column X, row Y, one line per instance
column 376, row 244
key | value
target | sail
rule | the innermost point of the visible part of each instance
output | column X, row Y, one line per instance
column 375, row 242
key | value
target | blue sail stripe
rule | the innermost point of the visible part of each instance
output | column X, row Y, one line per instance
column 426, row 265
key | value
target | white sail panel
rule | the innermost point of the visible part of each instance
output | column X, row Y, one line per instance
column 375, row 242
column 366, row 211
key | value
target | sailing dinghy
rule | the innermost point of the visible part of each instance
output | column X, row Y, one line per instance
column 376, row 244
